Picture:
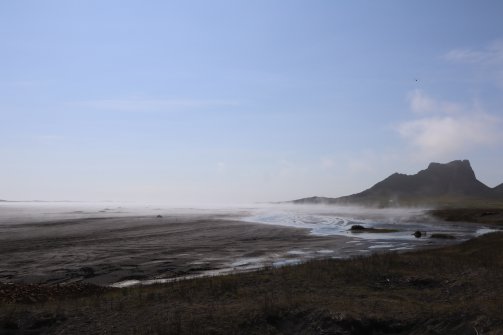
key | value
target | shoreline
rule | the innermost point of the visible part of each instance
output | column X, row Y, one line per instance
column 120, row 251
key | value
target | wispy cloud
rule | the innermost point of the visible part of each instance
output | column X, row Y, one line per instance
column 149, row 105
column 442, row 129
column 492, row 54
column 450, row 129
column 327, row 163
column 422, row 103
column 487, row 61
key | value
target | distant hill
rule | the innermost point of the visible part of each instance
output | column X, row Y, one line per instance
column 439, row 183
column 499, row 189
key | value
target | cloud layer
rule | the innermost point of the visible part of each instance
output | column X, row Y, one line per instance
column 448, row 129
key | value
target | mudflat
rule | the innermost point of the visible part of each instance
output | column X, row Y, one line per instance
column 108, row 250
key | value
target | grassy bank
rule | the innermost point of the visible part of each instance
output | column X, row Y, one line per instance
column 452, row 290
column 485, row 215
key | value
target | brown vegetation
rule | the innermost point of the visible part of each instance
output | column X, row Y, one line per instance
column 452, row 290
column 486, row 215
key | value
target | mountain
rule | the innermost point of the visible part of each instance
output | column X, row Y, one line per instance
column 454, row 181
column 498, row 189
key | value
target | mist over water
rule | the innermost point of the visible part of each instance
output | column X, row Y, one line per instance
column 320, row 220
column 29, row 212
column 324, row 220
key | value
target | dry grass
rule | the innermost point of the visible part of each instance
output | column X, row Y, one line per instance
column 485, row 215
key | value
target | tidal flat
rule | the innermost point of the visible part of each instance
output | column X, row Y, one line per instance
column 214, row 272
column 120, row 246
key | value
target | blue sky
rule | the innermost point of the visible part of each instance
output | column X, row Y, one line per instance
column 234, row 101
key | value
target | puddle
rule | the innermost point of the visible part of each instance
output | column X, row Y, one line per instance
column 378, row 246
column 325, row 251
column 285, row 262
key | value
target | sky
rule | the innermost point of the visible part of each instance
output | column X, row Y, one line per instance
column 188, row 102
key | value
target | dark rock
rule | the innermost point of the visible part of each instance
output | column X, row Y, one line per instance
column 159, row 216
column 357, row 227
column 417, row 234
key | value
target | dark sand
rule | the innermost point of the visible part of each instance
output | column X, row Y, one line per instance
column 109, row 250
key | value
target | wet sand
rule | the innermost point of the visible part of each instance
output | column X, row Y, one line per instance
column 52, row 245
column 109, row 250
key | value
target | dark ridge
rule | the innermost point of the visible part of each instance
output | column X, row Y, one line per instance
column 454, row 180
column 310, row 200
